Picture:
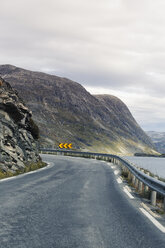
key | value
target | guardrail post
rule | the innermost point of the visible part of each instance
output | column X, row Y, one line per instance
column 123, row 168
column 153, row 198
column 133, row 180
column 136, row 183
column 129, row 175
column 140, row 186
column 146, row 187
column 126, row 171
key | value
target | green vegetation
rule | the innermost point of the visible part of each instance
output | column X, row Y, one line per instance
column 31, row 166
column 124, row 175
column 5, row 174
column 28, row 167
column 160, row 211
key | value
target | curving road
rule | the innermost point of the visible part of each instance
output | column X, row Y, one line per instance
column 73, row 203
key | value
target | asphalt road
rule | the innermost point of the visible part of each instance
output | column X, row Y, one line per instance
column 73, row 203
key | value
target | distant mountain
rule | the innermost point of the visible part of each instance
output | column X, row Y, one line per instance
column 66, row 112
column 158, row 139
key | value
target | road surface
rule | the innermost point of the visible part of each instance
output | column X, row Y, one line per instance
column 74, row 203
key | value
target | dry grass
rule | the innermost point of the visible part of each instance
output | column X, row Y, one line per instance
column 28, row 167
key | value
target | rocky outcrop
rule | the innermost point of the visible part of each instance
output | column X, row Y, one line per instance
column 18, row 133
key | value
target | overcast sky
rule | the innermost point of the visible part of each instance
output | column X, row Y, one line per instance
column 109, row 46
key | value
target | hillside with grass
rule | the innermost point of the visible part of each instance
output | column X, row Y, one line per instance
column 65, row 112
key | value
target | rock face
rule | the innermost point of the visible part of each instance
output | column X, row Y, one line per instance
column 17, row 131
column 66, row 112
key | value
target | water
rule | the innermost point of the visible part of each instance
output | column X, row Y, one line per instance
column 154, row 165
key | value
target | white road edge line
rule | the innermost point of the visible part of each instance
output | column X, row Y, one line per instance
column 128, row 188
column 153, row 220
column 126, row 191
column 119, row 180
column 116, row 172
column 24, row 174
column 149, row 210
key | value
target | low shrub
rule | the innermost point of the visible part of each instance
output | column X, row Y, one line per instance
column 28, row 167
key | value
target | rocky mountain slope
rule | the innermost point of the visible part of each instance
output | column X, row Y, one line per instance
column 66, row 112
column 158, row 139
column 18, row 133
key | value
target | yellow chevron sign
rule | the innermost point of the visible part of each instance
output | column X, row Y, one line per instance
column 65, row 145
column 61, row 145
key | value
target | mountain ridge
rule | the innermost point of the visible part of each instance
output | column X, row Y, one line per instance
column 66, row 112
column 158, row 139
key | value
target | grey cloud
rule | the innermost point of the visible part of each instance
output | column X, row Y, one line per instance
column 117, row 44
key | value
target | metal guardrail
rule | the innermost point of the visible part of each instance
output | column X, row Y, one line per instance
column 152, row 183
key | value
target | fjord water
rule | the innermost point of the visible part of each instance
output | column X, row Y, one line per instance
column 154, row 165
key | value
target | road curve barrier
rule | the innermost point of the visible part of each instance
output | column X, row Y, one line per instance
column 143, row 182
